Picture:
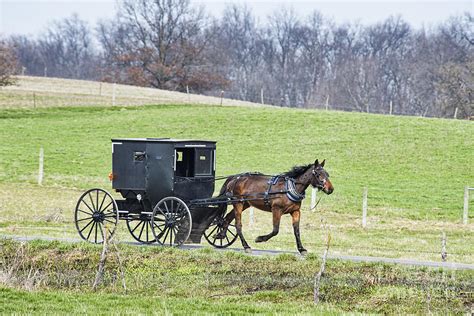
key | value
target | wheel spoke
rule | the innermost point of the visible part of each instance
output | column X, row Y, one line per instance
column 102, row 203
column 171, row 236
column 135, row 228
column 210, row 234
column 106, row 208
column 96, row 232
column 101, row 231
column 83, row 219
column 86, row 226
column 90, row 231
column 166, row 235
column 147, row 224
column 87, row 205
column 92, row 201
column 108, row 220
column 141, row 230
column 97, row 199
column 84, row 212
column 231, row 232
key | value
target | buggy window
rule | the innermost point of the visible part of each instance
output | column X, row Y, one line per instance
column 185, row 162
column 203, row 165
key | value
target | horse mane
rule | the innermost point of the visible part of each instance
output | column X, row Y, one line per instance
column 296, row 171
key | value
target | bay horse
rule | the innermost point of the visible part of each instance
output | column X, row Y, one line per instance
column 279, row 195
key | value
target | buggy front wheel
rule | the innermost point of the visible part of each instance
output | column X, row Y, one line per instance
column 171, row 222
column 96, row 213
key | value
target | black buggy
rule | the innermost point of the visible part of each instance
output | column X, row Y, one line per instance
column 167, row 186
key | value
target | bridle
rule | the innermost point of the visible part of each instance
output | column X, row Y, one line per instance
column 319, row 183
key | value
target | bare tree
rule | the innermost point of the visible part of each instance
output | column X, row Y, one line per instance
column 66, row 49
column 8, row 64
column 162, row 44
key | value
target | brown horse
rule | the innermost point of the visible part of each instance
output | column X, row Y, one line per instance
column 280, row 195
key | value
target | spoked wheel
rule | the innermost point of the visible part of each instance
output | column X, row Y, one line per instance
column 139, row 226
column 218, row 236
column 171, row 222
column 96, row 211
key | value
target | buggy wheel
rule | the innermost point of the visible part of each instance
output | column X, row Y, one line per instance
column 139, row 226
column 218, row 236
column 171, row 222
column 96, row 210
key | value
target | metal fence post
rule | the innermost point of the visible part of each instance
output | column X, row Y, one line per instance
column 41, row 164
column 466, row 205
column 364, row 208
column 313, row 199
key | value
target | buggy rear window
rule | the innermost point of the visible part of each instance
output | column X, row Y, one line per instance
column 203, row 163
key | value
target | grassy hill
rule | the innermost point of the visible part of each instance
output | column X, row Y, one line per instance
column 414, row 168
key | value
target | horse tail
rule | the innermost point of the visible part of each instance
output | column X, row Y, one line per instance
column 224, row 190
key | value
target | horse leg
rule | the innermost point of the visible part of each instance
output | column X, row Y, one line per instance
column 238, row 209
column 276, row 226
column 295, row 216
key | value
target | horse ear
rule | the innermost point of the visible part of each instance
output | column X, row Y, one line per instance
column 322, row 163
column 316, row 162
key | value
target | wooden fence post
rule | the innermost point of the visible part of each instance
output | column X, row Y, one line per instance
column 41, row 164
column 313, row 199
column 444, row 254
column 187, row 92
column 364, row 208
column 222, row 96
column 391, row 107
column 456, row 113
column 327, row 102
column 261, row 96
column 466, row 205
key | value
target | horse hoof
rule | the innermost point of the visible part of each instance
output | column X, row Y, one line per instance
column 303, row 252
column 248, row 250
column 259, row 239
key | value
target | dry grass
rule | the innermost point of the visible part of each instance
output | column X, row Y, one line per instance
column 32, row 92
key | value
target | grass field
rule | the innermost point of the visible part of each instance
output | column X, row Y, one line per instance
column 415, row 170
column 161, row 280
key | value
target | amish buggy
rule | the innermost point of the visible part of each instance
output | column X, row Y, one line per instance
column 167, row 186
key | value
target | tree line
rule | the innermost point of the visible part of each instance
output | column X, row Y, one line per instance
column 289, row 60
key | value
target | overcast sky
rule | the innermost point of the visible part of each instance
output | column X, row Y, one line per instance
column 32, row 16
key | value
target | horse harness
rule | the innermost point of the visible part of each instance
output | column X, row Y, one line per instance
column 290, row 189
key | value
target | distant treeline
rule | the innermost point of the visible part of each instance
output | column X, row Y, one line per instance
column 289, row 60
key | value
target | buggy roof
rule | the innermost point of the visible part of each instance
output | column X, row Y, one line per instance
column 162, row 140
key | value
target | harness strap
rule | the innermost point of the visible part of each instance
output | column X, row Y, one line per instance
column 292, row 193
column 273, row 180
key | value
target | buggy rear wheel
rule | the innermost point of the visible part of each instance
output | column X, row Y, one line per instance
column 139, row 226
column 219, row 236
column 96, row 211
column 171, row 222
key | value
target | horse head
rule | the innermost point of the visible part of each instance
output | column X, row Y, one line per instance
column 320, row 178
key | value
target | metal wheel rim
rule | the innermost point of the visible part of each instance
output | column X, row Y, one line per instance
column 163, row 215
column 86, row 211
column 211, row 230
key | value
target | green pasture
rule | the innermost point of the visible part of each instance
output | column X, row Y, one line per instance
column 415, row 170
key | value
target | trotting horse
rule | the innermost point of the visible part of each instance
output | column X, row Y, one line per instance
column 280, row 195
